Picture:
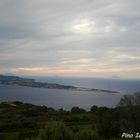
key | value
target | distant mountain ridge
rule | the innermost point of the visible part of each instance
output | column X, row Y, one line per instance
column 15, row 80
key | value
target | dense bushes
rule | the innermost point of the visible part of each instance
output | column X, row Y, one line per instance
column 56, row 131
column 86, row 135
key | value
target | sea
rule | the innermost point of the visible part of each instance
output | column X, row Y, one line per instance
column 66, row 99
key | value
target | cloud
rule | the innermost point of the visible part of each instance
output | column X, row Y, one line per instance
column 97, row 35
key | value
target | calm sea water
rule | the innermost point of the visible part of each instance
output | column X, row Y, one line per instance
column 67, row 99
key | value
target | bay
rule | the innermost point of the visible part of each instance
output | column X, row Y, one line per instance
column 66, row 99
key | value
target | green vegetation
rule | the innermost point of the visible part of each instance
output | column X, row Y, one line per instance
column 22, row 121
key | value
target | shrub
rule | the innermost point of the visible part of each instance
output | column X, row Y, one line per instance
column 86, row 135
column 56, row 131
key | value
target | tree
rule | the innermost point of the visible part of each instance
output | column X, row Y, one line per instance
column 126, row 100
column 107, row 123
column 137, row 98
column 130, row 100
column 77, row 110
column 129, row 107
column 94, row 108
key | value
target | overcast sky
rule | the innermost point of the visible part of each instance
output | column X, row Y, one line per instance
column 94, row 38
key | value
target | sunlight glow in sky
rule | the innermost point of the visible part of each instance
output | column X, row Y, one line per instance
column 83, row 27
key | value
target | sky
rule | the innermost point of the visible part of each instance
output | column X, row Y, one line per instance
column 84, row 38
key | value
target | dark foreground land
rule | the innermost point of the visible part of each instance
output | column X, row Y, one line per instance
column 22, row 121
